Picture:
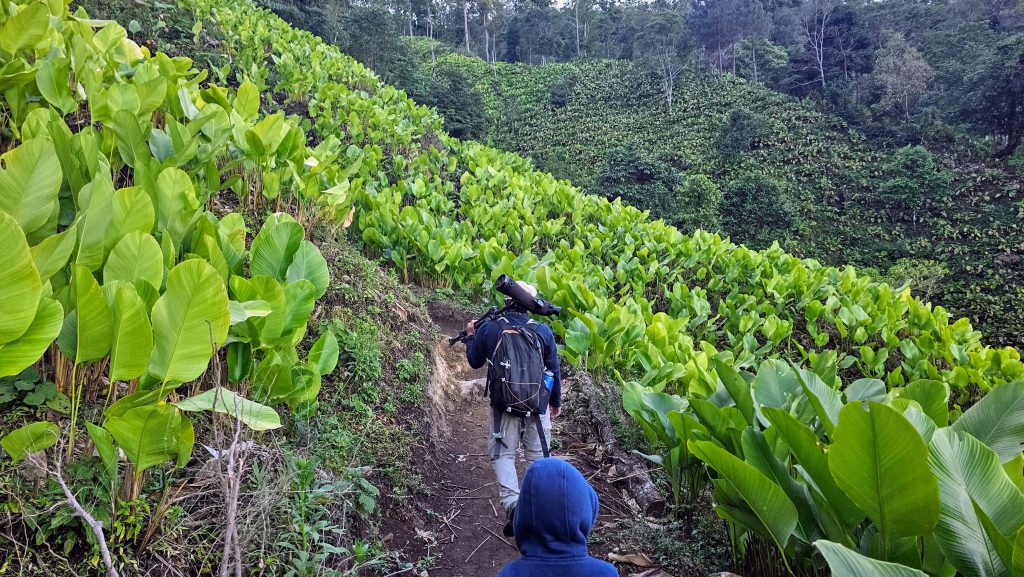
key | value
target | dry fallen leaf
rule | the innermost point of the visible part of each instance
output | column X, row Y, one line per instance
column 638, row 559
column 651, row 573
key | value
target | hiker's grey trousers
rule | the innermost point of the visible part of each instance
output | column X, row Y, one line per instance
column 513, row 431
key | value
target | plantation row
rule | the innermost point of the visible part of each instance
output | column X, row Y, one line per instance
column 121, row 284
column 687, row 315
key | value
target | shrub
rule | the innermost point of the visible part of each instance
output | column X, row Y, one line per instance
column 453, row 95
column 702, row 199
column 758, row 210
column 742, row 131
column 644, row 182
column 913, row 183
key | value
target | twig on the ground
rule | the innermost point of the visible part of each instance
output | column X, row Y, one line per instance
column 94, row 525
column 502, row 539
column 452, row 514
column 407, row 569
column 630, row 476
column 481, row 487
column 491, row 503
column 462, row 498
column 486, row 539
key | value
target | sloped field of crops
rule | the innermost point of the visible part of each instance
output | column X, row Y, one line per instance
column 120, row 273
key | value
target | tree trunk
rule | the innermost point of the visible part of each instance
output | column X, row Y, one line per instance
column 753, row 57
column 465, row 23
column 579, row 52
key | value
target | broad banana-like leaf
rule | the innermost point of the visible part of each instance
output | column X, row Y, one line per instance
column 104, row 444
column 151, row 435
column 131, row 210
column 231, row 231
column 866, row 390
column 95, row 329
column 775, row 513
column 305, row 387
column 997, row 420
column 970, row 473
column 275, row 246
column 22, row 352
column 1017, row 555
column 738, row 389
column 758, row 453
column 133, row 335
column 247, row 100
column 324, row 354
column 190, row 320
column 825, row 400
column 301, row 297
column 256, row 416
column 243, row 311
column 30, row 183
column 94, row 220
column 239, row 361
column 20, row 285
column 804, row 446
column 848, row 563
column 881, row 463
column 31, row 438
column 176, row 203
column 309, row 264
column 933, row 396
column 53, row 252
column 775, row 384
column 136, row 257
column 52, row 80
column 26, row 28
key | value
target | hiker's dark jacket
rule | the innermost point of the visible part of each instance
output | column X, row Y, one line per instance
column 482, row 344
column 557, row 509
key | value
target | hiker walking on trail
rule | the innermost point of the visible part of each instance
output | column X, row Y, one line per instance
column 557, row 509
column 524, row 384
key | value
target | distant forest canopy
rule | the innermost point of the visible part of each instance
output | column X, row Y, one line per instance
column 898, row 70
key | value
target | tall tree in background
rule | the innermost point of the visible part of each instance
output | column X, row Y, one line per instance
column 662, row 46
column 816, row 26
column 903, row 74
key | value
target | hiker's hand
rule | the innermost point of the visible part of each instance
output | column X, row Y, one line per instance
column 471, row 328
column 554, row 411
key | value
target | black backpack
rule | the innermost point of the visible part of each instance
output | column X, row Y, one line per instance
column 515, row 377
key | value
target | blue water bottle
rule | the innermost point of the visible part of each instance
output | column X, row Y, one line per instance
column 549, row 380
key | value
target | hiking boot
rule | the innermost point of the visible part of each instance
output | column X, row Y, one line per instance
column 510, row 516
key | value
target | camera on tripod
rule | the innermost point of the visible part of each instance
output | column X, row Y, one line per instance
column 515, row 296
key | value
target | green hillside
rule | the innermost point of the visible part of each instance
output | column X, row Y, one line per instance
column 569, row 117
column 164, row 291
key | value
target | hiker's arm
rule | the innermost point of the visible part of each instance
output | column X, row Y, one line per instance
column 551, row 364
column 476, row 345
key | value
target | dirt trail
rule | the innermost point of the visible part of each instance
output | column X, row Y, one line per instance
column 461, row 519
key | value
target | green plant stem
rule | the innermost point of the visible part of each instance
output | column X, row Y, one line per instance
column 76, row 399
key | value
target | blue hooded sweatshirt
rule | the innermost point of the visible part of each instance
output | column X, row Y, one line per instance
column 557, row 509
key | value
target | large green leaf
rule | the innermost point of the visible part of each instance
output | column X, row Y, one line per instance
column 190, row 319
column 275, row 246
column 997, row 420
column 136, row 257
column 812, row 457
column 30, row 183
column 848, row 563
column 30, row 438
column 881, row 463
column 825, row 400
column 53, row 252
column 94, row 220
column 133, row 335
column 738, row 389
column 20, row 285
column 176, row 203
column 256, row 416
column 26, row 28
column 21, row 353
column 104, row 443
column 775, row 513
column 933, row 396
column 325, row 352
column 150, row 435
column 970, row 473
column 309, row 264
column 52, row 80
column 131, row 210
column 95, row 319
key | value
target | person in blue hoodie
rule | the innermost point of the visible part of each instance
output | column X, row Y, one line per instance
column 557, row 509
